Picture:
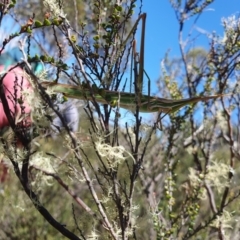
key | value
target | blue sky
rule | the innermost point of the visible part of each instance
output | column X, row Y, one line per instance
column 162, row 30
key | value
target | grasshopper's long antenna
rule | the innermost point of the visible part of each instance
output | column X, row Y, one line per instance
column 138, row 60
column 141, row 60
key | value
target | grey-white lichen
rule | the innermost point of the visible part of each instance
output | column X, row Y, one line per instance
column 54, row 8
column 43, row 164
column 114, row 154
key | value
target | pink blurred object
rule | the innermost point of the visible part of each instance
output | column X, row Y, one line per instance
column 14, row 83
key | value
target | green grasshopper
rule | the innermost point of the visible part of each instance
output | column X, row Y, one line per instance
column 126, row 100
column 146, row 103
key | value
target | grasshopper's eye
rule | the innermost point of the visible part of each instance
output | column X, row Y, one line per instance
column 113, row 103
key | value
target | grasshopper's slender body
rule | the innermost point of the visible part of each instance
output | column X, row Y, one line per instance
column 125, row 100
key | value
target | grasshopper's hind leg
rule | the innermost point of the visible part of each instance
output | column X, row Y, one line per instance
column 159, row 119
